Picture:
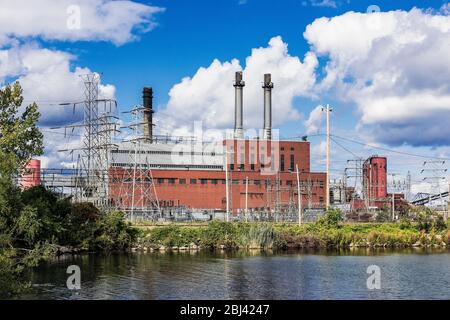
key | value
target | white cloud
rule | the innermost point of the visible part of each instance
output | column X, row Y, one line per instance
column 209, row 95
column 115, row 21
column 51, row 77
column 324, row 3
column 315, row 121
column 47, row 78
column 445, row 9
column 394, row 66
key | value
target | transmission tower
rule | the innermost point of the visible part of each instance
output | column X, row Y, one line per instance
column 434, row 171
column 132, row 183
column 355, row 172
column 92, row 163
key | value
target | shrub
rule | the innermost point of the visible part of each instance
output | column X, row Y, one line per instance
column 331, row 218
column 383, row 216
column 428, row 220
column 219, row 233
column 113, row 233
column 258, row 236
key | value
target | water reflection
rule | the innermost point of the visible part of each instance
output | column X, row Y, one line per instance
column 309, row 274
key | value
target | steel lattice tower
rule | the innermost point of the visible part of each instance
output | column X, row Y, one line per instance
column 134, row 185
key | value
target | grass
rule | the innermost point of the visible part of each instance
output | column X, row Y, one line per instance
column 285, row 236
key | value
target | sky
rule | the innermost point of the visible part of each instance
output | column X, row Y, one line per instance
column 382, row 65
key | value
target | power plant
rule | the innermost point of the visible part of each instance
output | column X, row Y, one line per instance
column 178, row 175
column 150, row 176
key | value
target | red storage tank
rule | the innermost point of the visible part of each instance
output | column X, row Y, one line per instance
column 32, row 176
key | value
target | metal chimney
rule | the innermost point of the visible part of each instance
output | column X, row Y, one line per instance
column 268, row 86
column 148, row 114
column 238, row 112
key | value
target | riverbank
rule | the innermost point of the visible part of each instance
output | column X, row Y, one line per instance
column 283, row 236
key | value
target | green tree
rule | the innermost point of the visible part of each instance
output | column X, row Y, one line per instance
column 20, row 137
column 20, row 140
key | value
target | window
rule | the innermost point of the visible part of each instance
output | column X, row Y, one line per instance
column 257, row 182
column 193, row 181
column 236, row 182
column 241, row 161
column 214, row 181
column 263, row 161
column 224, row 181
column 231, row 167
column 171, row 181
column 321, row 199
column 282, row 162
column 204, row 181
column 160, row 180
column 252, row 162
column 292, row 149
column 289, row 182
column 292, row 167
column 241, row 167
column 182, row 181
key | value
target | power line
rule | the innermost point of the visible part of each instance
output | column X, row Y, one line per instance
column 349, row 151
column 391, row 150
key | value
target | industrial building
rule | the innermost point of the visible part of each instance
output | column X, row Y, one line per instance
column 261, row 173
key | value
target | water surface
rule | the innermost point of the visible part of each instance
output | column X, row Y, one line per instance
column 408, row 274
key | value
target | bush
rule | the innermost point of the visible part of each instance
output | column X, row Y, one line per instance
column 219, row 234
column 383, row 216
column 113, row 233
column 428, row 220
column 331, row 218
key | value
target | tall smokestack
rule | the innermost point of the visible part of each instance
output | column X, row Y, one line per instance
column 268, row 86
column 239, row 85
column 148, row 114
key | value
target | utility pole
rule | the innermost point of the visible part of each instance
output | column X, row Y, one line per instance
column 393, row 196
column 328, row 110
column 227, row 191
column 246, row 199
column 300, row 209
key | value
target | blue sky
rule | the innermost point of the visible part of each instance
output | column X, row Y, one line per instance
column 386, row 78
column 191, row 34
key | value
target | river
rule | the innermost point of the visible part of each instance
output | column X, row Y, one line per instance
column 406, row 274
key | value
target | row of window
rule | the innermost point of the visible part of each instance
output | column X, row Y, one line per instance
column 252, row 163
column 234, row 182
column 261, row 147
column 167, row 166
column 164, row 152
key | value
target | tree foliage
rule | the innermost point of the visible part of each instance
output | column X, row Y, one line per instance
column 35, row 222
column 20, row 137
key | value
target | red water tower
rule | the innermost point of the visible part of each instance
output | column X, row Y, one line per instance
column 32, row 175
column 375, row 177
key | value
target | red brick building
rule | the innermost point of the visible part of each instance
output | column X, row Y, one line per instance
column 193, row 175
column 269, row 167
